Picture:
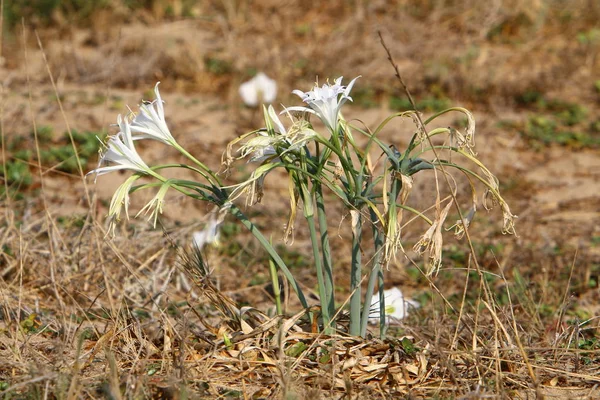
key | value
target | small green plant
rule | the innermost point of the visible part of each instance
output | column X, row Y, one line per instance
column 45, row 134
column 569, row 114
column 31, row 323
column 217, row 66
column 530, row 98
column 17, row 173
column 63, row 157
column 589, row 38
column 544, row 130
column 372, row 182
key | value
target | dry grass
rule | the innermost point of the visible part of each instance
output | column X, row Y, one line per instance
column 138, row 317
column 82, row 317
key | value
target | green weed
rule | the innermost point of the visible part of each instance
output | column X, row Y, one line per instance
column 589, row 38
column 544, row 130
column 63, row 156
column 217, row 66
column 17, row 173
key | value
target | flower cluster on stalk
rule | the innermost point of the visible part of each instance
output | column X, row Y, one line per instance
column 373, row 182
column 119, row 153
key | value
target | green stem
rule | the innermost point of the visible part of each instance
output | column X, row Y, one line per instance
column 323, row 295
column 394, row 193
column 236, row 212
column 325, row 247
column 376, row 272
column 335, row 145
column 382, row 318
column 355, row 278
column 309, row 214
column 275, row 283
column 208, row 171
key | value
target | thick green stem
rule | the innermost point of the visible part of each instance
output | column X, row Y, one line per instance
column 394, row 193
column 276, row 289
column 376, row 272
column 355, row 276
column 346, row 162
column 325, row 248
column 382, row 317
column 236, row 212
column 323, row 294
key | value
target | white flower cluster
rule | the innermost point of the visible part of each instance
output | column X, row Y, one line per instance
column 120, row 154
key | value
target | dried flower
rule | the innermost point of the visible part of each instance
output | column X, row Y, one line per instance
column 119, row 201
column 432, row 240
column 156, row 204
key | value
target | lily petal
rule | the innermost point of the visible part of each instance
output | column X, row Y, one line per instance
column 150, row 123
column 326, row 101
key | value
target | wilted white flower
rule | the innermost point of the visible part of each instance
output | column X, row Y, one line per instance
column 508, row 217
column 119, row 201
column 150, row 122
column 493, row 193
column 121, row 151
column 432, row 240
column 466, row 140
column 326, row 101
column 396, row 306
column 462, row 225
column 262, row 146
column 258, row 89
column 209, row 235
column 263, row 153
column 156, row 204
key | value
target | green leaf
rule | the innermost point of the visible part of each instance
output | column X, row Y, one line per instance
column 296, row 349
column 408, row 346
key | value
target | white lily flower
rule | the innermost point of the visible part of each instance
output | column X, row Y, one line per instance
column 258, row 89
column 121, row 151
column 209, row 235
column 150, row 122
column 326, row 101
column 396, row 306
